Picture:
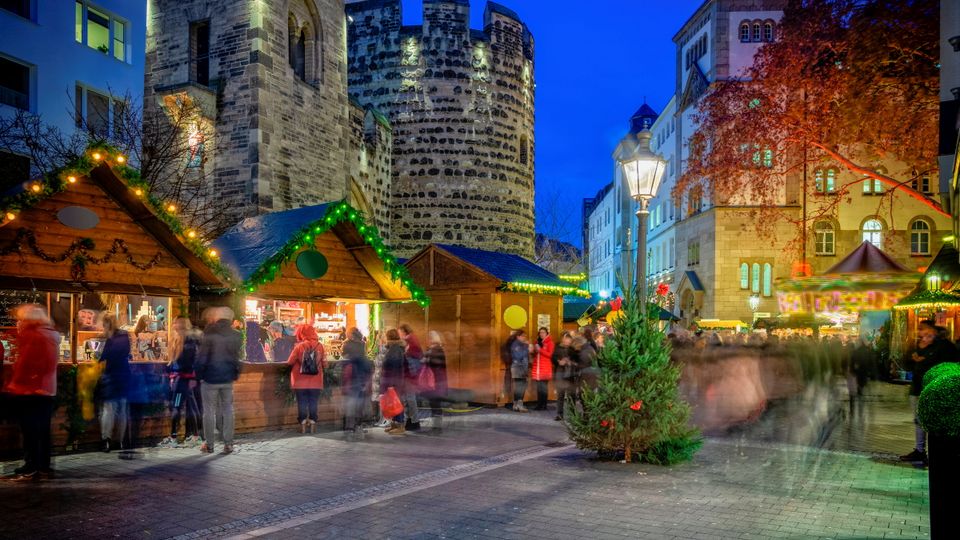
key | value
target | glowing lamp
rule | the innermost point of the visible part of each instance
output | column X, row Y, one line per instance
column 171, row 208
column 191, row 234
column 212, row 253
column 72, row 179
column 96, row 156
column 754, row 302
column 36, row 188
column 138, row 192
column 121, row 159
column 11, row 216
column 933, row 282
column 642, row 169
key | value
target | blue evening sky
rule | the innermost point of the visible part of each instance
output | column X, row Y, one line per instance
column 595, row 61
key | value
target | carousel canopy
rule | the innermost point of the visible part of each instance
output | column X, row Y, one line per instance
column 865, row 268
column 866, row 259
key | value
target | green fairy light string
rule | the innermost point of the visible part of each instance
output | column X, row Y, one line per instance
column 336, row 213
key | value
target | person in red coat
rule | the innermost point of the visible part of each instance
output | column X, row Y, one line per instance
column 33, row 387
column 307, row 356
column 542, row 370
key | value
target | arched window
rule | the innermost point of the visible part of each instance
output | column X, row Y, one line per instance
column 920, row 238
column 873, row 232
column 744, row 275
column 523, row 150
column 305, row 41
column 768, row 31
column 825, row 242
column 756, row 32
column 296, row 53
column 744, row 32
column 767, row 279
column 755, row 281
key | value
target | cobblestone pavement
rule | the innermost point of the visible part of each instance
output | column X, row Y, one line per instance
column 495, row 474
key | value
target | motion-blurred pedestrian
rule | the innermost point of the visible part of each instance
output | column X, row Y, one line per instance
column 542, row 370
column 217, row 367
column 32, row 388
column 566, row 372
column 183, row 381
column 393, row 375
column 414, row 354
column 355, row 382
column 114, row 381
column 435, row 359
column 520, row 356
column 932, row 349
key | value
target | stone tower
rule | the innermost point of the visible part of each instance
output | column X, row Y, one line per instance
column 461, row 103
column 271, row 80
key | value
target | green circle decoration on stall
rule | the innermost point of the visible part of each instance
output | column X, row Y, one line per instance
column 515, row 317
column 312, row 264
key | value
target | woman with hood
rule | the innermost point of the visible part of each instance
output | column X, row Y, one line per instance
column 307, row 363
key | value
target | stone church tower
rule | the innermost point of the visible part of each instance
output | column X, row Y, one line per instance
column 461, row 103
column 271, row 80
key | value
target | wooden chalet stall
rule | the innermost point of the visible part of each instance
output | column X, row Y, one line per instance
column 477, row 298
column 935, row 297
column 83, row 242
column 320, row 265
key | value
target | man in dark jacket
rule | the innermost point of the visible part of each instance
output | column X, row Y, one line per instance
column 218, row 366
column 932, row 349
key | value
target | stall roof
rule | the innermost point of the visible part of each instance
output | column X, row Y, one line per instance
column 866, row 259
column 249, row 246
column 506, row 267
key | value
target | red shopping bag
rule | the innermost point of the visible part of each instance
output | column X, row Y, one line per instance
column 390, row 404
column 426, row 381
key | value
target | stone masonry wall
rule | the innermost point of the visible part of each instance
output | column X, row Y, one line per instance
column 461, row 103
column 371, row 142
column 281, row 142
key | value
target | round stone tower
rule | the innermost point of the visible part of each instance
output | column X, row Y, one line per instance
column 461, row 103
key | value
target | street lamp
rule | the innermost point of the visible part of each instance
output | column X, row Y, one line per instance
column 754, row 302
column 642, row 172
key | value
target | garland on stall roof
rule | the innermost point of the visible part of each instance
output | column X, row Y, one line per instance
column 61, row 178
column 540, row 288
column 338, row 212
column 79, row 249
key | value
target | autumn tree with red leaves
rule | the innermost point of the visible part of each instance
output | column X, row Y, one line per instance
column 849, row 83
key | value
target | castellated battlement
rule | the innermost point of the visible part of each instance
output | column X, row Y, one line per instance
column 461, row 104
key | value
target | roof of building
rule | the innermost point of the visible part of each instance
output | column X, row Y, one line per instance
column 866, row 258
column 694, row 279
column 503, row 10
column 643, row 118
column 506, row 267
column 246, row 245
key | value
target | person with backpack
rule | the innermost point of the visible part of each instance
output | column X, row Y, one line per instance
column 307, row 363
column 355, row 382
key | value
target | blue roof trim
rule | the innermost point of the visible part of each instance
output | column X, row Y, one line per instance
column 694, row 280
column 246, row 245
column 505, row 267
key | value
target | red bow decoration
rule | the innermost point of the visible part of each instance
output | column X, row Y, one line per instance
column 616, row 303
column 604, row 423
column 637, row 406
column 663, row 289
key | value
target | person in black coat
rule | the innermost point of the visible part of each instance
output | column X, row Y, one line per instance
column 393, row 374
column 217, row 367
column 566, row 374
column 932, row 349
column 355, row 382
column 114, row 380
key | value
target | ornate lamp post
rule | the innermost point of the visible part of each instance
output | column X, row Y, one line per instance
column 642, row 172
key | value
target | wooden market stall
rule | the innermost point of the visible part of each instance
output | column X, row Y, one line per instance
column 477, row 299
column 85, row 241
column 320, row 265
column 936, row 297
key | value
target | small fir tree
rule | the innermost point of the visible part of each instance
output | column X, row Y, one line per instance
column 635, row 410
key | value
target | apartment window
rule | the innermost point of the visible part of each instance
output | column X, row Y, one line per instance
column 101, row 30
column 920, row 238
column 825, row 238
column 756, row 32
column 825, row 180
column 693, row 252
column 873, row 232
column 18, row 7
column 98, row 112
column 768, row 32
column 755, row 281
column 921, row 184
column 14, row 84
column 767, row 279
column 872, row 186
column 200, row 52
column 744, row 275
column 672, row 254
column 744, row 32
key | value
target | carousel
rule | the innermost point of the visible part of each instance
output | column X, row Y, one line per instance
column 852, row 298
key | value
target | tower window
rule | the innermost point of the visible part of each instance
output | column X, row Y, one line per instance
column 200, row 52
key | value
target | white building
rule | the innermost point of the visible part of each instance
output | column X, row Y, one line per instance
column 661, row 235
column 72, row 63
column 600, row 217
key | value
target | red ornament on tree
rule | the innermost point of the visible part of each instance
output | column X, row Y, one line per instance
column 637, row 406
column 616, row 303
column 604, row 423
column 663, row 289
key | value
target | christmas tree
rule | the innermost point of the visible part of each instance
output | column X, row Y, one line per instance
column 635, row 410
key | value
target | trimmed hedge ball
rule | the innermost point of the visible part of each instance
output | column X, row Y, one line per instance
column 939, row 370
column 938, row 409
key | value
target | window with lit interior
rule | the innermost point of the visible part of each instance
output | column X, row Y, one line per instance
column 873, row 232
column 920, row 238
column 100, row 30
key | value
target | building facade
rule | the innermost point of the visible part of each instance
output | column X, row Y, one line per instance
column 270, row 78
column 74, row 64
column 950, row 106
column 461, row 103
